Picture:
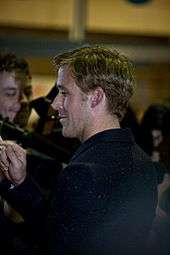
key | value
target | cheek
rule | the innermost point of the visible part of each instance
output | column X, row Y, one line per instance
column 1, row 107
column 9, row 102
column 4, row 103
column 67, row 104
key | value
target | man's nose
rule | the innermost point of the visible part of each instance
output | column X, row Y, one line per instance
column 17, row 106
column 57, row 103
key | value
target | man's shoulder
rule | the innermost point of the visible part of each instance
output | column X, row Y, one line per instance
column 103, row 144
column 81, row 168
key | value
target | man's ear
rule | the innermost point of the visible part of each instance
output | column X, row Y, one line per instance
column 96, row 97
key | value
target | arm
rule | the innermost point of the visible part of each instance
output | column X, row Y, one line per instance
column 16, row 187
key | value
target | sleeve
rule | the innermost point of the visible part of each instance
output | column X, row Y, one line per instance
column 26, row 199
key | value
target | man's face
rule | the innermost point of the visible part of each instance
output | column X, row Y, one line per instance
column 10, row 95
column 22, row 117
column 72, row 105
column 26, row 85
column 157, row 137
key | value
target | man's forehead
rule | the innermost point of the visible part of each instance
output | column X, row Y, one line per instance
column 64, row 71
column 64, row 77
column 7, row 79
column 6, row 74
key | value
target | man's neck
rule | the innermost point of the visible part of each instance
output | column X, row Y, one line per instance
column 101, row 124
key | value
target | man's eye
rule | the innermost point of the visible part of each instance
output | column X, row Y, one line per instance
column 10, row 94
column 63, row 93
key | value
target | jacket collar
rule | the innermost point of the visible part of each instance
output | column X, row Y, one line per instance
column 111, row 135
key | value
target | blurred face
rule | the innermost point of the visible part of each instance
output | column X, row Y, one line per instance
column 157, row 137
column 72, row 106
column 26, row 85
column 10, row 95
column 22, row 117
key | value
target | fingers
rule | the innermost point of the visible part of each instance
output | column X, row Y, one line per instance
column 15, row 153
column 19, row 151
column 1, row 144
column 4, row 164
column 4, row 167
column 11, row 150
column 6, row 158
column 13, row 161
column 17, row 166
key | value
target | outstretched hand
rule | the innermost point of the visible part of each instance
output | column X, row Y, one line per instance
column 12, row 162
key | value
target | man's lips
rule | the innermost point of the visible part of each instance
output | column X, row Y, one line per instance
column 62, row 116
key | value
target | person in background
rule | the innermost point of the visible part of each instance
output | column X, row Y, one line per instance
column 26, row 84
column 104, row 201
column 155, row 140
column 15, row 94
column 15, row 109
column 160, row 233
column 15, row 89
column 154, row 128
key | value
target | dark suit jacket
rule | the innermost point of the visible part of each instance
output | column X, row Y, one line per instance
column 103, row 203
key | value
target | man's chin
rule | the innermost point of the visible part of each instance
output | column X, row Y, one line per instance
column 66, row 133
column 10, row 117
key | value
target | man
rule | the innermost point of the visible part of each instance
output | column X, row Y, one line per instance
column 104, row 201
column 15, row 89
column 15, row 110
column 15, row 93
